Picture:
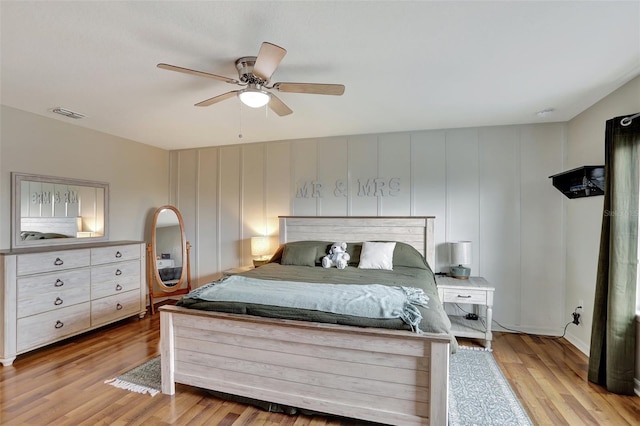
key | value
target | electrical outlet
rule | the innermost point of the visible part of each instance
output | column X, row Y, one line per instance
column 576, row 318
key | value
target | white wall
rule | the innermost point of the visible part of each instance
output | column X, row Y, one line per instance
column 138, row 174
column 585, row 146
column 488, row 185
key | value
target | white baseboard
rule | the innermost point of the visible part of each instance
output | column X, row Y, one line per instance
column 583, row 347
column 539, row 331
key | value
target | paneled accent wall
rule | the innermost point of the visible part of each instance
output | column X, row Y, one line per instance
column 489, row 185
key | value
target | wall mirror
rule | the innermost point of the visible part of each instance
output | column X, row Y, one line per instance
column 168, row 256
column 52, row 211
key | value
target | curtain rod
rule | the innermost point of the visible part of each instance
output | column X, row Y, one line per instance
column 627, row 120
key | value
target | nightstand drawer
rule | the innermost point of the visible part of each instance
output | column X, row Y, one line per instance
column 464, row 296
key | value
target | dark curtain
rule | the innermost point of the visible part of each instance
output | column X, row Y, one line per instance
column 613, row 337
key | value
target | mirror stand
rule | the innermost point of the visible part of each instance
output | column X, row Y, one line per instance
column 168, row 256
column 153, row 294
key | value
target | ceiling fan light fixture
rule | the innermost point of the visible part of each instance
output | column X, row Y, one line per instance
column 254, row 98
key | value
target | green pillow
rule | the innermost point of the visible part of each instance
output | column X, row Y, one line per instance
column 406, row 255
column 304, row 253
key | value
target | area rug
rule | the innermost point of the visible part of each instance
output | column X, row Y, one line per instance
column 143, row 379
column 479, row 393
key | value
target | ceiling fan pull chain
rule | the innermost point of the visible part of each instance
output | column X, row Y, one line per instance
column 240, row 122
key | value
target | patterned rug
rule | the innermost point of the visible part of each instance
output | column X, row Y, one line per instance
column 145, row 378
column 479, row 393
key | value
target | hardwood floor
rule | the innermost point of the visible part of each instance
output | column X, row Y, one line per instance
column 549, row 376
column 63, row 385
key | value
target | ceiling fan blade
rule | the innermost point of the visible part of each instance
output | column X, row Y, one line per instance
column 278, row 106
column 312, row 88
column 268, row 59
column 218, row 98
column 198, row 73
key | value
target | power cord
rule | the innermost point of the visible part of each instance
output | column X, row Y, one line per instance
column 575, row 319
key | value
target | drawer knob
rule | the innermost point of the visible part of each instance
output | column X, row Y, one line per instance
column 118, row 272
column 59, row 324
column 58, row 301
column 468, row 296
column 118, row 306
column 58, row 261
column 58, row 283
column 118, row 254
column 118, row 287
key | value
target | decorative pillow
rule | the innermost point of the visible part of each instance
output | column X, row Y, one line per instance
column 377, row 255
column 299, row 255
column 354, row 250
column 406, row 255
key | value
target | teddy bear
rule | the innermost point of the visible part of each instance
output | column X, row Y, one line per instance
column 337, row 256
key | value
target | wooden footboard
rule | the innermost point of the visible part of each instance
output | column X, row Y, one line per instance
column 388, row 376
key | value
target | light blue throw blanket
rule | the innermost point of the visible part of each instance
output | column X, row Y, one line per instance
column 369, row 301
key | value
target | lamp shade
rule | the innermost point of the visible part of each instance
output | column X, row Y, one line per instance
column 259, row 246
column 254, row 98
column 461, row 253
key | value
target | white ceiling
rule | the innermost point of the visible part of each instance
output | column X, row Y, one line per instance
column 406, row 65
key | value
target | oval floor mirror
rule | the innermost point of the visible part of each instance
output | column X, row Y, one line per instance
column 168, row 268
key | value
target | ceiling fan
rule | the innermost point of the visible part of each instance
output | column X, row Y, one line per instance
column 254, row 74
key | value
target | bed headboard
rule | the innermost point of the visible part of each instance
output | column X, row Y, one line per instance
column 60, row 225
column 417, row 231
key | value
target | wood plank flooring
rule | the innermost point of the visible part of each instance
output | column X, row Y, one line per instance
column 62, row 384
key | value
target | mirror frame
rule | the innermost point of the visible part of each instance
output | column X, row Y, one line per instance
column 152, row 269
column 16, row 215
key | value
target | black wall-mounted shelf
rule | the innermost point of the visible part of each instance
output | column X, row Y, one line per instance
column 585, row 181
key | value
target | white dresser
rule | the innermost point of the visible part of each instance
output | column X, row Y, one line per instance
column 51, row 293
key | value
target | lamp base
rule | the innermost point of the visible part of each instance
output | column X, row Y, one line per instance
column 260, row 262
column 460, row 272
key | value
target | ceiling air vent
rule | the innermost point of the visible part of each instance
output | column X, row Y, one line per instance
column 68, row 113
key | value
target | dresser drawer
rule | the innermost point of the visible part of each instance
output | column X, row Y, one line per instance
column 48, row 292
column 114, row 278
column 52, row 261
column 114, row 307
column 41, row 329
column 102, row 255
column 465, row 296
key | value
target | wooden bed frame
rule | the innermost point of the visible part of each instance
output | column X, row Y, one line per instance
column 389, row 376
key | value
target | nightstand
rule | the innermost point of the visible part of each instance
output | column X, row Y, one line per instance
column 236, row 271
column 475, row 291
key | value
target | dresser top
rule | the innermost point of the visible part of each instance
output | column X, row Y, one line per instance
column 43, row 249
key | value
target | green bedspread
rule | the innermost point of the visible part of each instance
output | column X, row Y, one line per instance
column 434, row 319
column 366, row 301
column 295, row 262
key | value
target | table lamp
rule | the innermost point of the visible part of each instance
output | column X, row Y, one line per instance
column 460, row 256
column 260, row 250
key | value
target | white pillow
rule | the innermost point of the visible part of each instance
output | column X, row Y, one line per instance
column 377, row 255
